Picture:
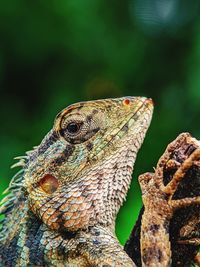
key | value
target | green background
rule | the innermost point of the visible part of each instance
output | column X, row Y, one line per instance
column 54, row 53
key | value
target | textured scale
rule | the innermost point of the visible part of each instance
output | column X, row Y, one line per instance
column 61, row 208
column 160, row 204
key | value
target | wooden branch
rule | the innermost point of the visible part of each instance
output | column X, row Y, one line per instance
column 177, row 177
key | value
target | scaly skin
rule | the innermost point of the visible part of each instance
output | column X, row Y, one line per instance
column 62, row 206
column 160, row 205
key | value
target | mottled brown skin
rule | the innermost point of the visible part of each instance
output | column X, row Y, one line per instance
column 160, row 206
column 62, row 206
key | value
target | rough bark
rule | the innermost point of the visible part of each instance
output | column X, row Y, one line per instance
column 185, row 222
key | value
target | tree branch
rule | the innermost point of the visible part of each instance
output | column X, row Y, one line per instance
column 177, row 177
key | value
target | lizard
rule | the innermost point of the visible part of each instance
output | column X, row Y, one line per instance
column 167, row 232
column 60, row 208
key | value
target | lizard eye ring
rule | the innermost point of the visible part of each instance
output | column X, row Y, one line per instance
column 78, row 128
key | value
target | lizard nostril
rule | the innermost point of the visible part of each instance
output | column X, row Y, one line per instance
column 126, row 102
column 49, row 183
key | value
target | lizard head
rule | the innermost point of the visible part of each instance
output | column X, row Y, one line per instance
column 80, row 173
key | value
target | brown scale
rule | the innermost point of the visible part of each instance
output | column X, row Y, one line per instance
column 167, row 231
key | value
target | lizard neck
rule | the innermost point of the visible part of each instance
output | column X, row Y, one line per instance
column 105, row 187
column 113, row 178
column 92, row 199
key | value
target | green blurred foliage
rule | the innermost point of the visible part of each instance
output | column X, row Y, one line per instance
column 54, row 53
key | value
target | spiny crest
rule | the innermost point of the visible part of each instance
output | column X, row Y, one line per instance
column 14, row 194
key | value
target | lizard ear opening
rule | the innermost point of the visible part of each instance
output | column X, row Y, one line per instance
column 49, row 184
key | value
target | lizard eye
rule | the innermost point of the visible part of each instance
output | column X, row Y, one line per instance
column 73, row 127
column 78, row 129
column 74, row 130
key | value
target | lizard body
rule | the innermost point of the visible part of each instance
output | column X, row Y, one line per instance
column 62, row 205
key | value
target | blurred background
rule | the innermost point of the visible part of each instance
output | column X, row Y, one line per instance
column 54, row 53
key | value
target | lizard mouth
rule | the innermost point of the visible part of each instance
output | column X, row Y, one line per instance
column 136, row 123
column 140, row 118
column 145, row 110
